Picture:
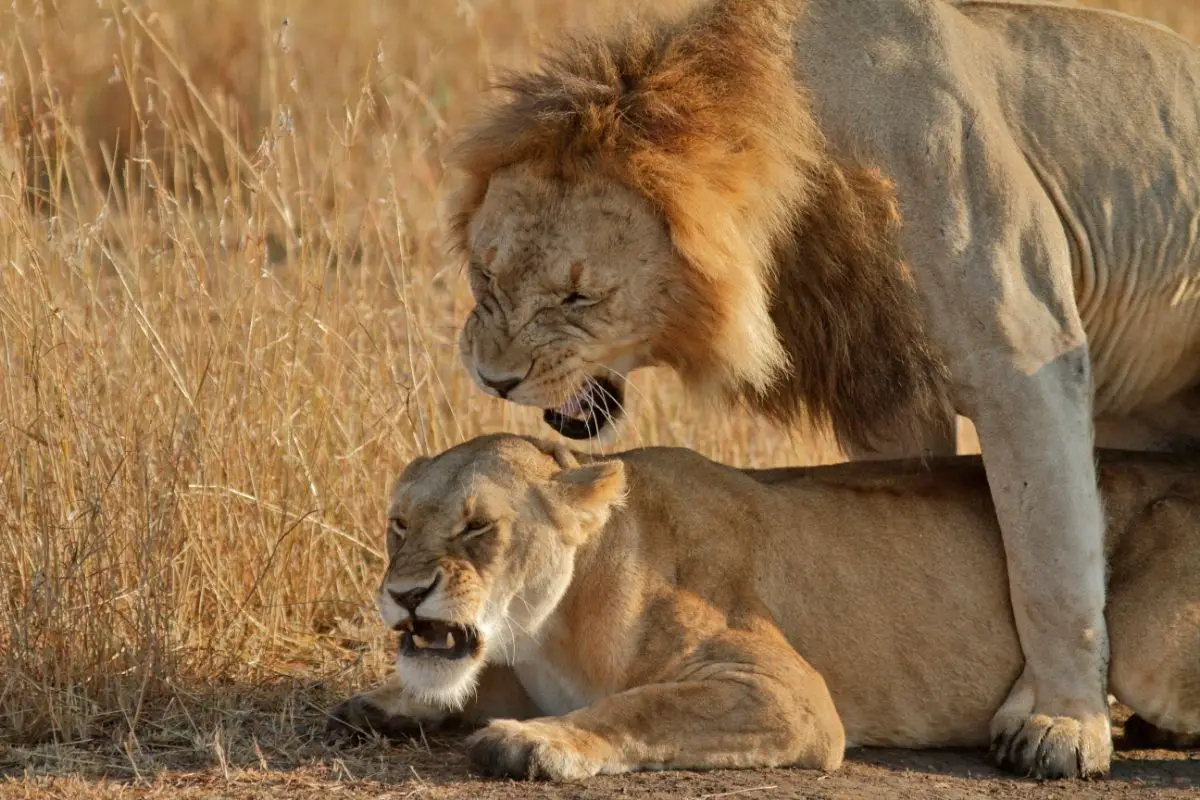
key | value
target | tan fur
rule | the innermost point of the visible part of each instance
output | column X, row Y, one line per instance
column 872, row 214
column 750, row 193
column 712, row 613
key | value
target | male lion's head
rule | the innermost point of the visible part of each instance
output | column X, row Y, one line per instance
column 665, row 197
column 481, row 542
column 621, row 208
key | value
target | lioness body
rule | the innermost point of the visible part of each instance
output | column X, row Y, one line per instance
column 876, row 213
column 664, row 649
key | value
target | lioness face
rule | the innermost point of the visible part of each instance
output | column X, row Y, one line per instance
column 571, row 283
column 480, row 543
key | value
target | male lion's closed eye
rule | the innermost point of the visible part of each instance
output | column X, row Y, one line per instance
column 577, row 300
column 476, row 527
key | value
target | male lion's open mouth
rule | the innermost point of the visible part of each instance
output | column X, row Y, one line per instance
column 427, row 638
column 600, row 402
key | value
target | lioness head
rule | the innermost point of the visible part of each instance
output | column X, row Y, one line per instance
column 481, row 542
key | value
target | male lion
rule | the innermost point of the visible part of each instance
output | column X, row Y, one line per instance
column 871, row 214
column 640, row 611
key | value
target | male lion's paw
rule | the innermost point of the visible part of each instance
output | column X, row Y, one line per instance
column 359, row 717
column 1048, row 748
column 531, row 750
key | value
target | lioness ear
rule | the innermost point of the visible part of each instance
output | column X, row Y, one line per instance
column 413, row 468
column 559, row 452
column 593, row 489
column 408, row 474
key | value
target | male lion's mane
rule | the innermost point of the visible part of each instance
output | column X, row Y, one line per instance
column 795, row 298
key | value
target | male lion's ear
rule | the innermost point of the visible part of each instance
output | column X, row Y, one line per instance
column 593, row 489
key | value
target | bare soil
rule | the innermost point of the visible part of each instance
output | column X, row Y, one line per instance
column 436, row 767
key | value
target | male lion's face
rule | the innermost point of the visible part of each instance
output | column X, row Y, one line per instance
column 481, row 542
column 570, row 281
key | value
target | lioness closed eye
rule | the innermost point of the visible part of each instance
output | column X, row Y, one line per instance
column 658, row 610
column 875, row 213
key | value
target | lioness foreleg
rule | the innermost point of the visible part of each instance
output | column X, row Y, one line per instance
column 390, row 711
column 726, row 709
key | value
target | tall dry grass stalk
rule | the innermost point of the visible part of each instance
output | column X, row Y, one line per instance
column 226, row 322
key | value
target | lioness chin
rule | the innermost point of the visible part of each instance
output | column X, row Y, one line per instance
column 655, row 609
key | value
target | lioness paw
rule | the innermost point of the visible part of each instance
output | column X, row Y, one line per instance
column 531, row 750
column 1142, row 734
column 1047, row 748
column 360, row 717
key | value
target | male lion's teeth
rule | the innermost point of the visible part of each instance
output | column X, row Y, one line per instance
column 449, row 640
column 419, row 641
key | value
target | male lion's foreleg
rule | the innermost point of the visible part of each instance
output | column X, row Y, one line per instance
column 1035, row 433
column 731, row 718
column 994, row 268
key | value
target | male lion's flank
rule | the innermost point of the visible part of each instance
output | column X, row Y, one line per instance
column 655, row 609
column 873, row 214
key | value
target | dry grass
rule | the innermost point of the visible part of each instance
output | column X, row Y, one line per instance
column 226, row 322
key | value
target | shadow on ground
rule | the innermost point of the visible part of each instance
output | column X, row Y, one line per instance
column 278, row 750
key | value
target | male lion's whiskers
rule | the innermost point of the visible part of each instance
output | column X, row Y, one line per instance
column 637, row 433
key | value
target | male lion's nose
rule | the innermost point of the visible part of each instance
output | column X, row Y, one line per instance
column 412, row 598
column 502, row 386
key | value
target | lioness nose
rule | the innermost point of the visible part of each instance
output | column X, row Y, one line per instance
column 502, row 386
column 413, row 597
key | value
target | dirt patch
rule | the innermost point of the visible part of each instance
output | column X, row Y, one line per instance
column 436, row 767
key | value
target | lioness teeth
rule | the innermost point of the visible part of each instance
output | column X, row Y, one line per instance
column 437, row 642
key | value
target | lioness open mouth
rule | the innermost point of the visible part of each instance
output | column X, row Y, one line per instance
column 598, row 403
column 427, row 638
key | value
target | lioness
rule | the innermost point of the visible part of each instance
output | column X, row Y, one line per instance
column 874, row 213
column 656, row 609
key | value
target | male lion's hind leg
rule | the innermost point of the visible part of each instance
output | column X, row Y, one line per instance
column 1141, row 734
column 1035, row 432
column 763, row 712
column 1154, row 622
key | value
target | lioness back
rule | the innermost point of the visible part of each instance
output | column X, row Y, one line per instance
column 890, row 579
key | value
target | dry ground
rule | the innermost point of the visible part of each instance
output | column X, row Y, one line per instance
column 255, row 763
column 226, row 321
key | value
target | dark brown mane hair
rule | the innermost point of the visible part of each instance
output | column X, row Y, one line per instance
column 796, row 299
